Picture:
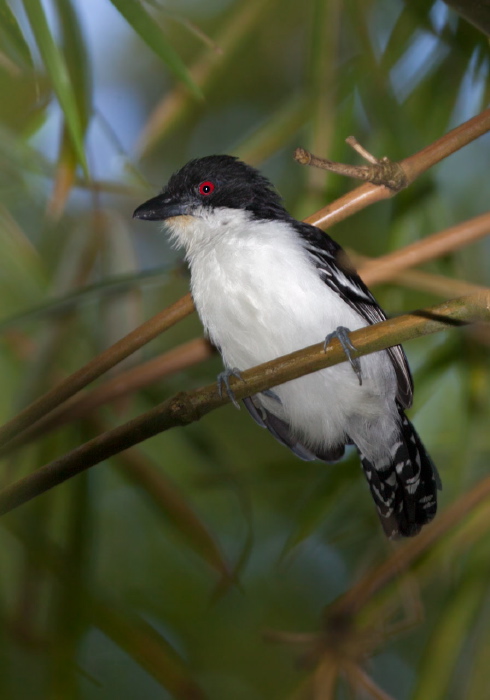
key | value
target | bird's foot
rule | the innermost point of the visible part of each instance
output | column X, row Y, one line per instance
column 342, row 335
column 223, row 379
column 271, row 395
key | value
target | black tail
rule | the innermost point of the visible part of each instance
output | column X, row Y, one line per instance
column 405, row 490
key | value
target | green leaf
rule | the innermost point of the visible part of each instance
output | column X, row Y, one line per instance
column 76, row 56
column 144, row 25
column 208, row 68
column 141, row 641
column 277, row 129
column 22, row 275
column 439, row 668
column 119, row 284
column 59, row 75
column 147, row 647
column 12, row 35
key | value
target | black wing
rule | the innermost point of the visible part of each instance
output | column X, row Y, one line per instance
column 283, row 434
column 334, row 268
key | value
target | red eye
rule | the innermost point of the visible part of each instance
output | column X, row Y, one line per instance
column 206, row 188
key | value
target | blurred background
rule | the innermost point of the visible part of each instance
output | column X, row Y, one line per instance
column 200, row 564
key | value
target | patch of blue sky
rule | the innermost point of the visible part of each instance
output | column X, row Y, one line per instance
column 382, row 21
column 422, row 56
column 472, row 90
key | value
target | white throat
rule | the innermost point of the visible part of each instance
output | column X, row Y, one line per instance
column 205, row 227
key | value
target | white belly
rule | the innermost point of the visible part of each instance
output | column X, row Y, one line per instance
column 259, row 299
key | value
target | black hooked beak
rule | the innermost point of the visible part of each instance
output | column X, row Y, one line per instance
column 160, row 208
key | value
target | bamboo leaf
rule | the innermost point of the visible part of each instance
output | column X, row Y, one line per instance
column 325, row 494
column 76, row 57
column 13, row 37
column 77, row 63
column 209, row 66
column 448, row 639
column 270, row 135
column 72, row 597
column 119, row 284
column 143, row 643
column 149, row 648
column 58, row 72
column 175, row 507
column 144, row 25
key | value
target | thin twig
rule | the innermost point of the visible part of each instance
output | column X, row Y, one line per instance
column 187, row 407
column 361, row 679
column 383, row 172
column 324, row 680
column 413, row 166
column 354, row 143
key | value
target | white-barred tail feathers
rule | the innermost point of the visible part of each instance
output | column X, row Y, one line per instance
column 404, row 489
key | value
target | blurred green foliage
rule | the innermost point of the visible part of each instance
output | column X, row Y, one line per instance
column 117, row 584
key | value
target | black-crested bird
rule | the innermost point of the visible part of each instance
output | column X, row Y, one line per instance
column 264, row 285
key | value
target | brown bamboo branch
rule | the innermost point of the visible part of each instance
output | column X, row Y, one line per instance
column 440, row 285
column 96, row 367
column 324, row 681
column 428, row 248
column 187, row 407
column 124, row 383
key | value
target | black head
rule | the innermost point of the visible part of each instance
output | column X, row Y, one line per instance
column 214, row 182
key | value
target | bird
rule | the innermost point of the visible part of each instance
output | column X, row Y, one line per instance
column 264, row 285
